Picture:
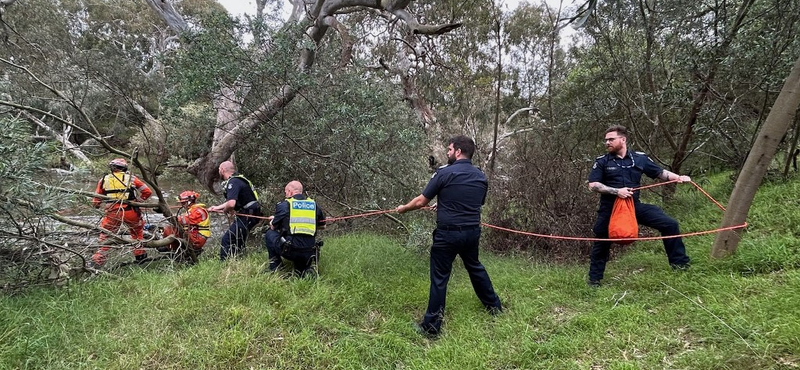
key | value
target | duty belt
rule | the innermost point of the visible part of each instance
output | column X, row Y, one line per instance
column 457, row 228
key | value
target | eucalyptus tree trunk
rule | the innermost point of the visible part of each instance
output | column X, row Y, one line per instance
column 493, row 155
column 321, row 16
column 778, row 122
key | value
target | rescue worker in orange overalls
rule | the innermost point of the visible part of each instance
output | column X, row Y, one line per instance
column 120, row 185
column 195, row 225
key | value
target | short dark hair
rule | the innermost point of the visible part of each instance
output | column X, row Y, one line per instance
column 464, row 143
column 619, row 129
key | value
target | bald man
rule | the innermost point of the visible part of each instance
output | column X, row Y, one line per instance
column 293, row 230
column 241, row 199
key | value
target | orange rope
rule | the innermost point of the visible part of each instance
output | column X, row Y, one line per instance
column 374, row 213
column 615, row 240
column 380, row 212
column 632, row 239
column 254, row 216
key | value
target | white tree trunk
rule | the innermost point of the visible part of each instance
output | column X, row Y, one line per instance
column 69, row 146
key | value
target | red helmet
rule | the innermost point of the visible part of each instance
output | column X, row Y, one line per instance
column 119, row 163
column 188, row 196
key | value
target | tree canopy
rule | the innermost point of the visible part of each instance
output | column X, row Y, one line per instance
column 357, row 98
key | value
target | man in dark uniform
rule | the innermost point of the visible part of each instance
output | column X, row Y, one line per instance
column 461, row 191
column 242, row 199
column 292, row 232
column 613, row 175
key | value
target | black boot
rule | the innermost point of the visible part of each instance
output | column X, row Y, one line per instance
column 274, row 265
column 140, row 259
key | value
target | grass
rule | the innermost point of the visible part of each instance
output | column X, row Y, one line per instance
column 738, row 313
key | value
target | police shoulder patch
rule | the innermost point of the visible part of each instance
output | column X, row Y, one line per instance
column 643, row 154
column 594, row 166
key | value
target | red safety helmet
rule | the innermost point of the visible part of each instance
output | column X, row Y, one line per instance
column 119, row 163
column 188, row 196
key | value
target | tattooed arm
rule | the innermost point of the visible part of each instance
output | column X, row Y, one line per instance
column 669, row 176
column 598, row 187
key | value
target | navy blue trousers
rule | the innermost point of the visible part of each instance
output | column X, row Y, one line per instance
column 234, row 238
column 647, row 215
column 302, row 258
column 447, row 244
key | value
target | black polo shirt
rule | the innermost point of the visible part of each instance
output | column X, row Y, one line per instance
column 613, row 171
column 240, row 190
column 461, row 189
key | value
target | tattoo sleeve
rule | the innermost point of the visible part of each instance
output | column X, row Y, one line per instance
column 602, row 189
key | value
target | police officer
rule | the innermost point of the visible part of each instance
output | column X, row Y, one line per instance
column 292, row 231
column 241, row 198
column 461, row 191
column 613, row 175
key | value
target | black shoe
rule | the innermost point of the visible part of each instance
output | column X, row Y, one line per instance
column 141, row 259
column 272, row 268
column 429, row 334
column 593, row 283
column 680, row 266
column 310, row 272
column 494, row 310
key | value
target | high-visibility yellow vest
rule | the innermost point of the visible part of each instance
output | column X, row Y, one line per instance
column 204, row 227
column 302, row 216
column 120, row 188
column 225, row 185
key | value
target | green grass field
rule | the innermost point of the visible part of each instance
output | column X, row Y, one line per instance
column 739, row 313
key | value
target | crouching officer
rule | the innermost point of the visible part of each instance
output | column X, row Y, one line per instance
column 292, row 232
column 242, row 199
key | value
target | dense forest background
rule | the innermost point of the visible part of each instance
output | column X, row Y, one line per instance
column 357, row 99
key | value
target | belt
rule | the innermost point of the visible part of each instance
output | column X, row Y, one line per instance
column 457, row 228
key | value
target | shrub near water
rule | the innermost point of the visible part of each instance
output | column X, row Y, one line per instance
column 739, row 313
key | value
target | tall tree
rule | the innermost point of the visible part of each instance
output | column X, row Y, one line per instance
column 322, row 15
column 780, row 118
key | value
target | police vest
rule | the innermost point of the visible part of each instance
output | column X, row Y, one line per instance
column 118, row 188
column 203, row 227
column 302, row 216
column 253, row 189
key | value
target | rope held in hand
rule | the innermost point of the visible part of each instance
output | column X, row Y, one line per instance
column 561, row 237
column 632, row 239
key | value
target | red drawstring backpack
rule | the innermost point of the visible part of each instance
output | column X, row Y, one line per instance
column 623, row 221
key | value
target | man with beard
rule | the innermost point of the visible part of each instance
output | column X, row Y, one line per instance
column 613, row 176
column 461, row 191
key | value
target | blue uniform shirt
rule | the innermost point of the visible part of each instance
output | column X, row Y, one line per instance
column 625, row 172
column 461, row 188
column 240, row 190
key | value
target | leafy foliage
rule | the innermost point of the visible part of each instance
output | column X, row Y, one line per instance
column 357, row 151
column 24, row 205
